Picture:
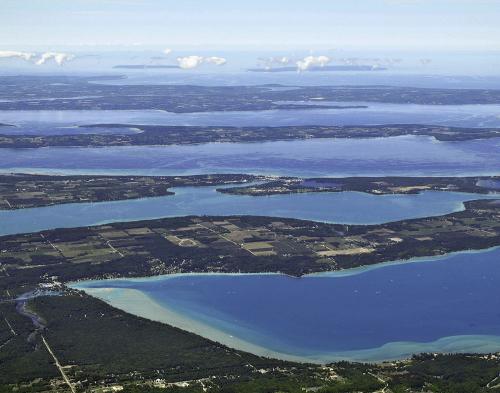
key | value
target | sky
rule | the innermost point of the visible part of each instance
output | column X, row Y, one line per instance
column 232, row 24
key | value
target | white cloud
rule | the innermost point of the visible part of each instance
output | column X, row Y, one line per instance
column 189, row 62
column 216, row 60
column 59, row 58
column 7, row 54
column 194, row 61
column 311, row 61
column 167, row 51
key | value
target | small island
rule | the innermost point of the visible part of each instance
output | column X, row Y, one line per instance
column 371, row 185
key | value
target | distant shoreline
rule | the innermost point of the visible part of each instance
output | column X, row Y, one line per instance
column 145, row 66
column 331, row 68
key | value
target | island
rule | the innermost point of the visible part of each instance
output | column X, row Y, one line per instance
column 146, row 66
column 19, row 191
column 151, row 135
column 60, row 331
column 371, row 185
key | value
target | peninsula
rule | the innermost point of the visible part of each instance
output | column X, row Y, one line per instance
column 104, row 93
column 75, row 329
column 236, row 244
column 150, row 135
column 19, row 191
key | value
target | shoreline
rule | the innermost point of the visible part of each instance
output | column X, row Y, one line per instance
column 138, row 303
column 52, row 171
column 173, row 206
column 331, row 273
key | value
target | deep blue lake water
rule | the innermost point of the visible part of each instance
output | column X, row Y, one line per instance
column 443, row 304
column 406, row 155
column 344, row 207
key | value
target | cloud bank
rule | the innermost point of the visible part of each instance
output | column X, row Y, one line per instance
column 38, row 59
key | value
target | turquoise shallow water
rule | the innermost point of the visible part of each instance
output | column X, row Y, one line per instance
column 445, row 304
column 344, row 207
